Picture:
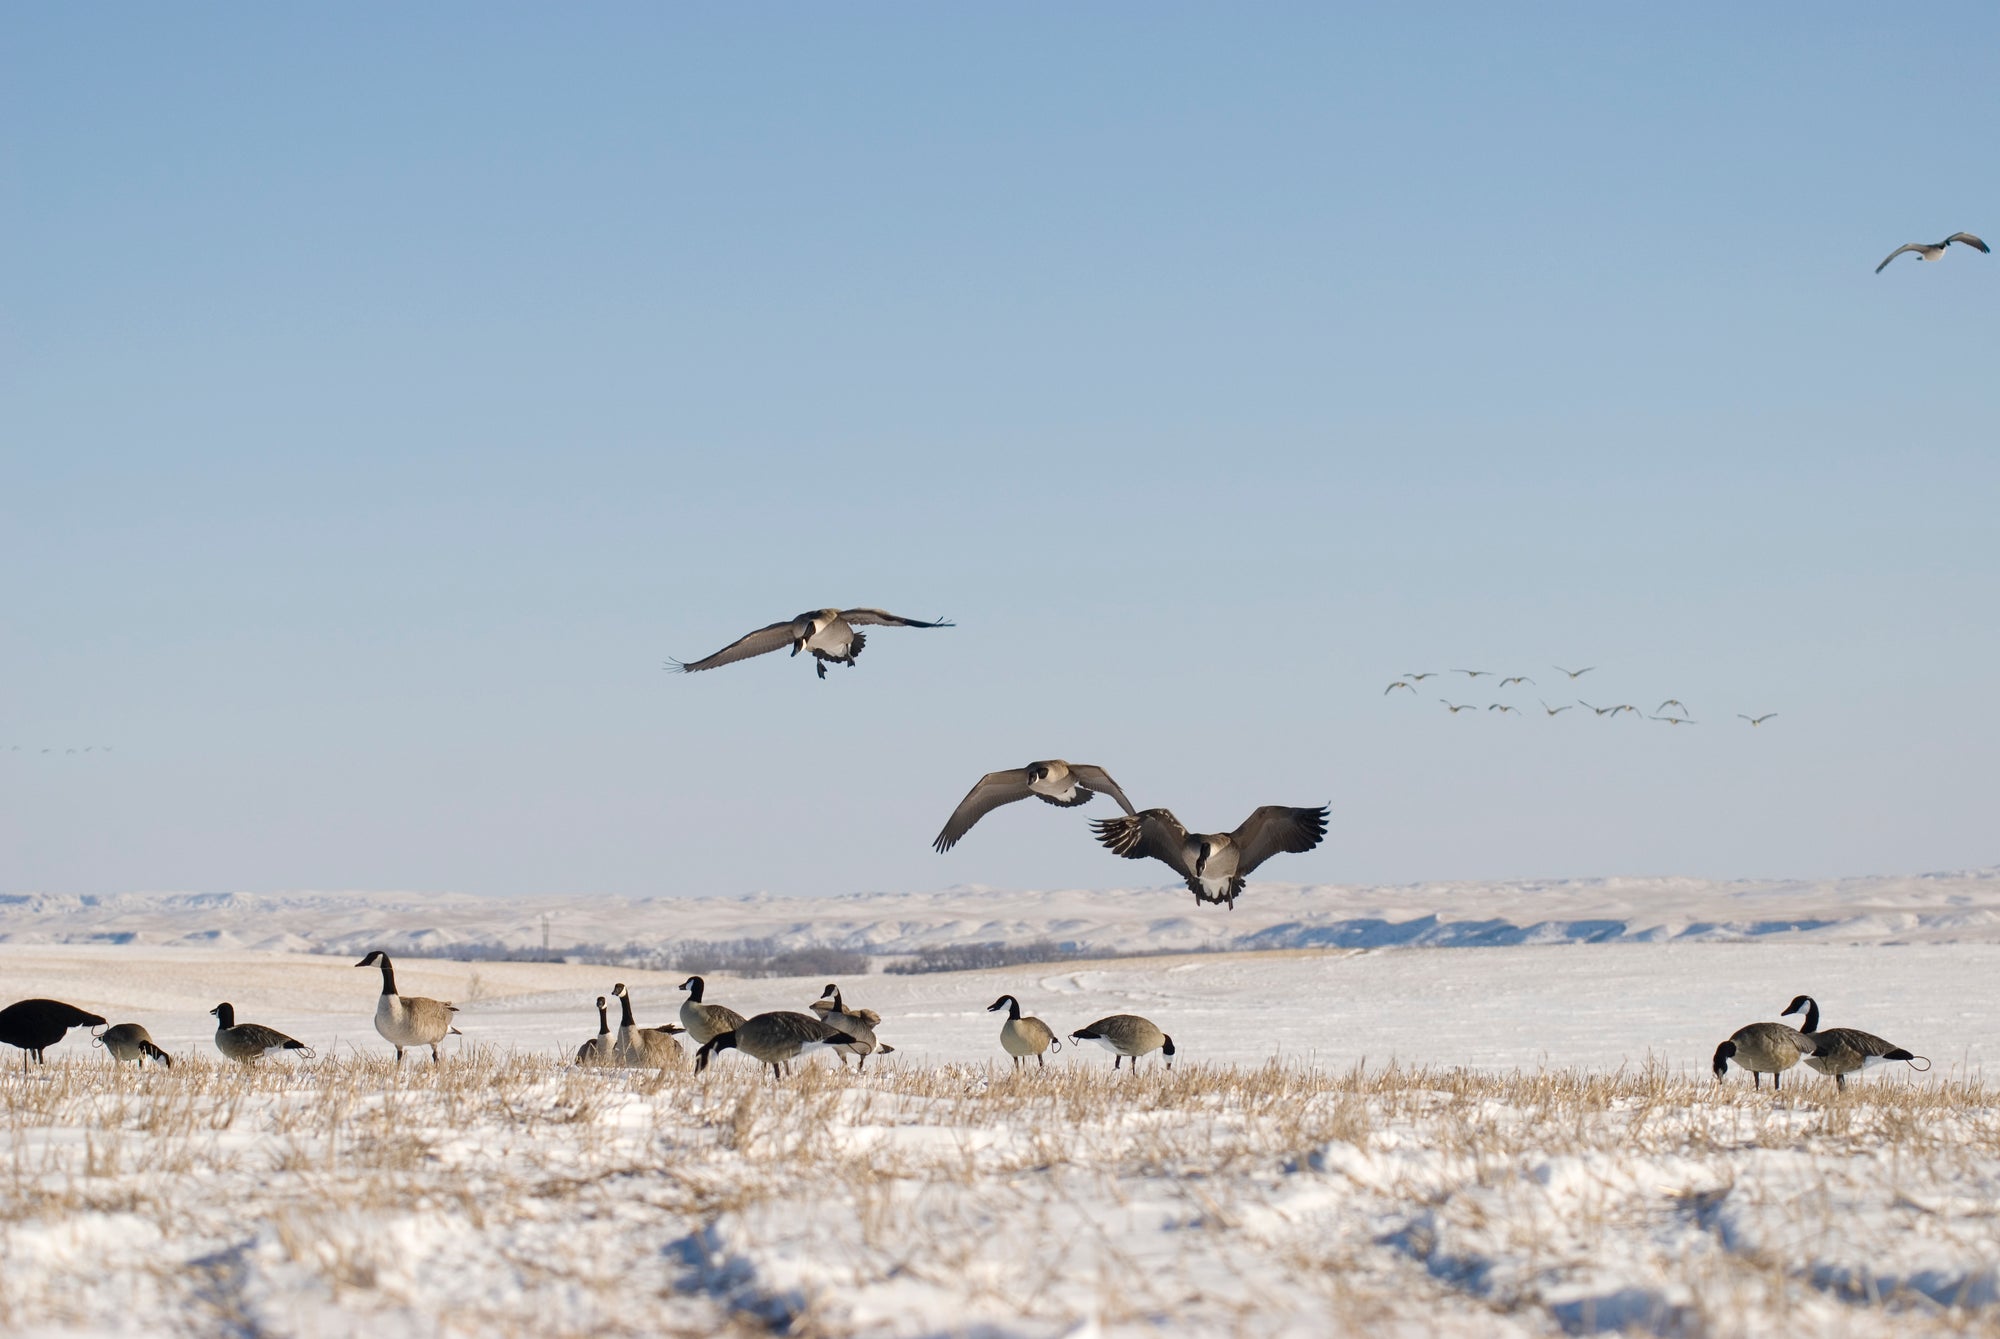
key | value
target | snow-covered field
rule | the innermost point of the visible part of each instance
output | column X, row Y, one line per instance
column 1513, row 1139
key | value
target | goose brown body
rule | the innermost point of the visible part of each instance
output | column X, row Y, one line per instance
column 859, row 1024
column 247, row 1043
column 644, row 1047
column 705, row 1022
column 1763, row 1048
column 408, row 1020
column 1022, row 1037
column 777, row 1039
column 131, row 1041
column 1127, row 1036
column 1840, row 1051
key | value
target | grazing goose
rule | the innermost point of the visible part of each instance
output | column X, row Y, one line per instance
column 597, row 1051
column 1021, row 1037
column 409, row 1020
column 1215, row 864
column 859, row 1024
column 1933, row 250
column 1763, row 1048
column 131, row 1041
column 1842, row 1050
column 1127, row 1035
column 1052, row 781
column 828, row 633
column 705, row 1022
column 777, row 1039
column 246, row 1043
column 36, row 1025
column 648, row 1047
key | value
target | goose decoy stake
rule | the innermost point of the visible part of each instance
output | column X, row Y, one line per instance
column 829, row 634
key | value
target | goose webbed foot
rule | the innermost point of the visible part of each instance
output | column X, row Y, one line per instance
column 821, row 667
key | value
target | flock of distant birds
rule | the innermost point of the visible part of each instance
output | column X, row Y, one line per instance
column 1411, row 680
column 411, row 1022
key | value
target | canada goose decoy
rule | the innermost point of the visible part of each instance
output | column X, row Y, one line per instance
column 1933, row 250
column 1215, row 864
column 1400, row 683
column 1842, row 1050
column 705, row 1022
column 1574, row 674
column 131, row 1041
column 36, row 1025
column 1453, row 709
column 1052, row 781
column 597, row 1051
column 1555, row 711
column 827, row 633
column 777, row 1039
column 1518, row 678
column 859, row 1024
column 645, row 1047
column 1022, row 1037
column 408, row 1020
column 246, row 1043
column 1756, row 720
column 1501, row 706
column 1763, row 1048
column 1127, row 1035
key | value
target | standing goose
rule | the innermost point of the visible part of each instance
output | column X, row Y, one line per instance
column 131, row 1041
column 1021, row 1037
column 705, row 1022
column 777, row 1039
column 1215, row 864
column 1127, row 1035
column 597, row 1051
column 246, row 1043
column 828, row 633
column 1763, row 1048
column 36, row 1025
column 859, row 1024
column 1933, row 250
column 648, row 1047
column 1052, row 781
column 408, row 1020
column 1842, row 1050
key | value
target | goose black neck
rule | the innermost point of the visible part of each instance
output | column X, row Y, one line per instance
column 1013, row 1008
column 1812, row 1014
column 625, row 1001
column 388, row 975
column 603, row 1019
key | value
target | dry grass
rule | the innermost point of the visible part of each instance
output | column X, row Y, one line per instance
column 512, row 1194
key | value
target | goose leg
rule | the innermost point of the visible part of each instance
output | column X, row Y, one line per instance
column 821, row 667
column 436, row 1059
column 1840, row 1082
column 1756, row 1078
column 399, row 1057
column 1117, row 1060
column 1777, row 1082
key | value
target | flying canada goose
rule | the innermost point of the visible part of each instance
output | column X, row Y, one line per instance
column 1501, row 706
column 645, row 1047
column 705, row 1022
column 36, row 1025
column 1601, row 711
column 1400, row 683
column 1518, row 678
column 1419, row 678
column 777, row 1039
column 246, row 1043
column 1455, row 710
column 859, row 1024
column 1756, row 720
column 1574, row 674
column 1933, row 250
column 1021, row 1037
column 409, row 1020
column 1842, row 1050
column 828, row 633
column 1763, row 1048
column 1473, row 674
column 597, row 1051
column 1673, row 702
column 1215, row 864
column 1052, row 781
column 1127, row 1035
column 1674, row 720
column 1626, row 706
column 1555, row 711
column 131, row 1041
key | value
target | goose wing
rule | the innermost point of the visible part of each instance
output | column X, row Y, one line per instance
column 1277, row 829
column 1150, row 834
column 883, row 618
column 1969, row 240
column 1100, row 780
column 987, row 794
column 1907, row 246
column 754, row 644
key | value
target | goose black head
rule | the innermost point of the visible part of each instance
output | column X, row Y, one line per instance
column 602, row 1004
column 830, row 991
column 618, row 989
column 1008, row 1002
column 225, row 1015
column 1722, row 1055
column 693, row 986
column 375, row 959
column 1038, row 772
column 1799, row 1004
column 721, row 1041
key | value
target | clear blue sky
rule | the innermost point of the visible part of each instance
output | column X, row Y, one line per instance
column 384, row 396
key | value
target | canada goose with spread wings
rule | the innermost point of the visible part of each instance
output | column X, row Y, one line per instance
column 829, row 634
column 1933, row 250
column 1052, row 781
column 1215, row 864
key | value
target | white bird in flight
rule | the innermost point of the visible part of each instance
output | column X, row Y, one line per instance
column 1934, row 250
